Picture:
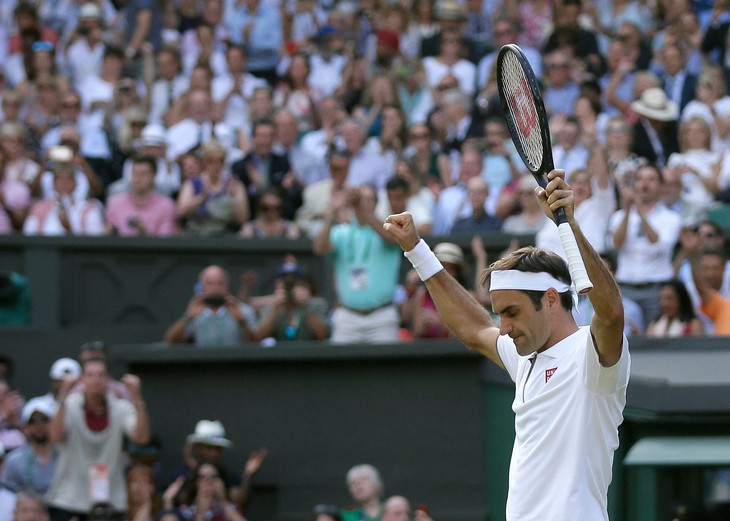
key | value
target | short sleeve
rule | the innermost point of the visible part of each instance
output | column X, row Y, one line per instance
column 508, row 354
column 606, row 380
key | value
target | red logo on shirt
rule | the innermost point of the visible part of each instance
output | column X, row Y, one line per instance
column 549, row 373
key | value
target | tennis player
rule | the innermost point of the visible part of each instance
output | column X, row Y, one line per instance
column 570, row 381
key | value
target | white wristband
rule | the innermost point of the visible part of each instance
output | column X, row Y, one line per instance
column 424, row 261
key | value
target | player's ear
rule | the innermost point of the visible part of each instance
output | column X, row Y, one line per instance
column 552, row 298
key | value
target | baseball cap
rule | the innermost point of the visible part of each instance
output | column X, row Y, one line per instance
column 64, row 366
column 42, row 404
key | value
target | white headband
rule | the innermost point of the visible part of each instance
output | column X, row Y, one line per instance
column 515, row 279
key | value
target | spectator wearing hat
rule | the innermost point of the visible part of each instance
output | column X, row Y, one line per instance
column 61, row 368
column 656, row 134
column 387, row 45
column 141, row 211
column 206, row 446
column 450, row 17
column 7, row 497
column 85, row 49
column 295, row 313
column 31, row 467
column 151, row 143
column 214, row 317
column 89, row 428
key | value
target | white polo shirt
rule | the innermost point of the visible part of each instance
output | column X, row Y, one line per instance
column 566, row 429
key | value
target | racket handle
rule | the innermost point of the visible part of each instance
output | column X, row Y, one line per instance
column 575, row 262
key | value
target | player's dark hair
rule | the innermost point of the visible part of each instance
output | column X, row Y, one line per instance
column 533, row 260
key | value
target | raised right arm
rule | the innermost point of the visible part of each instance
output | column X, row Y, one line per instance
column 460, row 311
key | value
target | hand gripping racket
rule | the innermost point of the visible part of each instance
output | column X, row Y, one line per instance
column 527, row 122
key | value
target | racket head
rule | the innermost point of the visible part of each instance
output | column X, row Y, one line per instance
column 524, row 111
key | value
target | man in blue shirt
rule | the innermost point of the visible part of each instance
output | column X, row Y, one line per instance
column 258, row 27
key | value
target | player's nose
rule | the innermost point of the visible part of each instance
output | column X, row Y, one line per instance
column 505, row 327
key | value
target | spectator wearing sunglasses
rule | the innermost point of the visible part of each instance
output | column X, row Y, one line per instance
column 31, row 467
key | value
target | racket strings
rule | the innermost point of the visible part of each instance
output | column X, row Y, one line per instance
column 522, row 109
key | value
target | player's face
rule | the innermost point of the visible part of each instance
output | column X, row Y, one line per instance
column 527, row 327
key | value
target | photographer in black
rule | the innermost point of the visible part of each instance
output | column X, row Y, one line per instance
column 214, row 317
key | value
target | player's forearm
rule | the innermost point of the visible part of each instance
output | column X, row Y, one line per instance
column 459, row 310
column 605, row 295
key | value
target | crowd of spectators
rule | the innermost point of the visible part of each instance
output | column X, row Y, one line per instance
column 262, row 118
column 316, row 119
column 85, row 450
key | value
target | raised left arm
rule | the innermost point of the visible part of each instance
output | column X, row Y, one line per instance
column 607, row 323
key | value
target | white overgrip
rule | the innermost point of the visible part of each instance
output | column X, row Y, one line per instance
column 575, row 262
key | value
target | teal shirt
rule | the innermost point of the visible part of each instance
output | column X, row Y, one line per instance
column 366, row 267
column 356, row 515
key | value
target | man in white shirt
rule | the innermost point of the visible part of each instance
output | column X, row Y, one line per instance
column 84, row 56
column 195, row 130
column 644, row 233
column 234, row 89
column 570, row 381
column 453, row 202
column 595, row 202
column 169, row 86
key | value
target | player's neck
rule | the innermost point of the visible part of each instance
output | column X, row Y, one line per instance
column 564, row 327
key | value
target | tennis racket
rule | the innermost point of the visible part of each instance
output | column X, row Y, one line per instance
column 527, row 122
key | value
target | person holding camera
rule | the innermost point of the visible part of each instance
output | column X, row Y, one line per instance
column 295, row 313
column 214, row 317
